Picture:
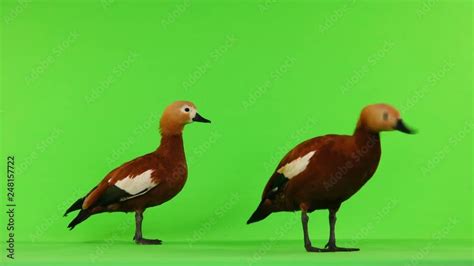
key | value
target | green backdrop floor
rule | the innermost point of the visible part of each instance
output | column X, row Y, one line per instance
column 373, row 252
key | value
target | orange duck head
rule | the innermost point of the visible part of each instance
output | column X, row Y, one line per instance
column 177, row 115
column 382, row 117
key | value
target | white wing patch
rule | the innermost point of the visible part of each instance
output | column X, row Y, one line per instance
column 136, row 184
column 296, row 166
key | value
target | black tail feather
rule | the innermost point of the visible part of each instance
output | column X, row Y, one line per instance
column 260, row 213
column 75, row 206
column 81, row 216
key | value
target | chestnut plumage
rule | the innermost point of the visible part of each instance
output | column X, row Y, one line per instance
column 323, row 172
column 146, row 181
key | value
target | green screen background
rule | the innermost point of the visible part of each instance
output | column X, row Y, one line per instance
column 83, row 84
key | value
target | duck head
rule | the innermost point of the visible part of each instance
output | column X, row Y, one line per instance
column 177, row 115
column 382, row 117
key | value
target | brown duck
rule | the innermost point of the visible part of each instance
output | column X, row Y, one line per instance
column 323, row 172
column 146, row 181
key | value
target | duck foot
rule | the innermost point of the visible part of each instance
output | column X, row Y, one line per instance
column 144, row 241
column 313, row 249
column 333, row 248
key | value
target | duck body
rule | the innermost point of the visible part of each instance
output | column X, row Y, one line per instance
column 323, row 172
column 335, row 172
column 146, row 181
column 167, row 169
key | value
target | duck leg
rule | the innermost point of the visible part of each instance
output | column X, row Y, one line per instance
column 138, row 231
column 307, row 242
column 331, row 245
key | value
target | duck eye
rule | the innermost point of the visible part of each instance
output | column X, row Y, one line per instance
column 385, row 116
column 186, row 109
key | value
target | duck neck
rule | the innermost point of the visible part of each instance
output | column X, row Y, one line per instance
column 366, row 139
column 172, row 146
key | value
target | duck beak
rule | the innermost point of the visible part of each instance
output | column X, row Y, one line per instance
column 400, row 126
column 199, row 118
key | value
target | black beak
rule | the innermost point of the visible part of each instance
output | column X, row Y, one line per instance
column 199, row 118
column 403, row 128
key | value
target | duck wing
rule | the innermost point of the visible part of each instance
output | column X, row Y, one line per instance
column 130, row 180
column 293, row 164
